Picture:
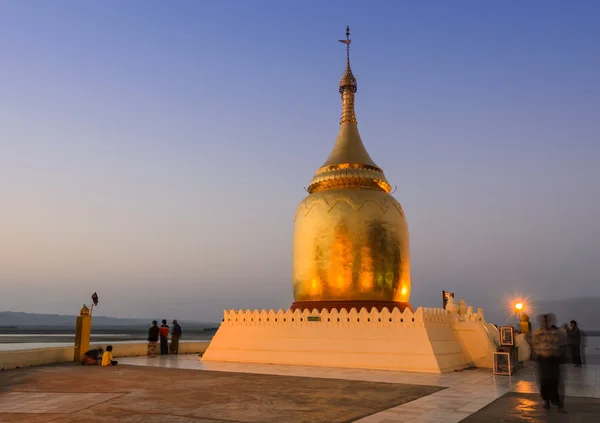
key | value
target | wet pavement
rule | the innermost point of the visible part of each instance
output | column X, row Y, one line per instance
column 519, row 408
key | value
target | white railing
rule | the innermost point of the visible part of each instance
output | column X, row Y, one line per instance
column 41, row 356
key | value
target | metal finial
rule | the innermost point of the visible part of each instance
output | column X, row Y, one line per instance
column 347, row 41
column 348, row 85
column 348, row 80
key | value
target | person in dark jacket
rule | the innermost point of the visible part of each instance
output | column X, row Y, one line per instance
column 175, row 335
column 92, row 356
column 164, row 338
column 574, row 340
column 153, row 339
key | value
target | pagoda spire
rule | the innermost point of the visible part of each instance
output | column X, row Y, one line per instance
column 348, row 85
column 349, row 164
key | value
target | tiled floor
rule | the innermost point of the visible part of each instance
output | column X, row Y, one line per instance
column 468, row 391
column 156, row 395
column 50, row 402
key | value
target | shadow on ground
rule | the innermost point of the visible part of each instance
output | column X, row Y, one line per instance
column 12, row 379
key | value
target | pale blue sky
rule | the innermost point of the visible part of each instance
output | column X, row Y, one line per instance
column 155, row 152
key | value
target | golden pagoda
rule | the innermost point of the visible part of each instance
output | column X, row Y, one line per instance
column 351, row 278
column 350, row 246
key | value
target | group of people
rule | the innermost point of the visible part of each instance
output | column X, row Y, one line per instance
column 99, row 356
column 160, row 336
column 551, row 346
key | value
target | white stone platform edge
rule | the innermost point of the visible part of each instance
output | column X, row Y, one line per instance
column 41, row 356
column 429, row 340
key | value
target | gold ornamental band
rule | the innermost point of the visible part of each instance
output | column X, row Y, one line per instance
column 347, row 175
column 340, row 166
column 349, row 305
column 348, row 183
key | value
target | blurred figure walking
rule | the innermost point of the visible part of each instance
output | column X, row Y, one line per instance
column 175, row 335
column 547, row 348
column 164, row 338
column 574, row 338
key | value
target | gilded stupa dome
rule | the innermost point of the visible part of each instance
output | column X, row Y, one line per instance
column 350, row 236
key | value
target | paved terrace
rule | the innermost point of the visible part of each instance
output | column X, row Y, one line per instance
column 182, row 389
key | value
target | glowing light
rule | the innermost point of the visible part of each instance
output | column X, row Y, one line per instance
column 517, row 304
column 403, row 291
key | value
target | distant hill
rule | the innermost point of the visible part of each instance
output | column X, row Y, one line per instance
column 25, row 320
column 586, row 311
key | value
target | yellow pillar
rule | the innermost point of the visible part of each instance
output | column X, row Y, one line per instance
column 82, row 333
column 525, row 324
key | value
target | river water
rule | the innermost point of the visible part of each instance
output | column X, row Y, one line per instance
column 13, row 342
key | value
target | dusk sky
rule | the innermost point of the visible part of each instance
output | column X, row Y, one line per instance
column 155, row 152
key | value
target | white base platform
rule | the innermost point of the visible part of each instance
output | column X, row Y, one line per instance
column 421, row 342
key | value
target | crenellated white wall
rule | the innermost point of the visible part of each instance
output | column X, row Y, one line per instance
column 297, row 318
column 422, row 341
column 429, row 340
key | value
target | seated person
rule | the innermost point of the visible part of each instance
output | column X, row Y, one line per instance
column 92, row 356
column 107, row 358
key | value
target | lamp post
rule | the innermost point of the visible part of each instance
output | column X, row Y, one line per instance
column 524, row 323
column 519, row 308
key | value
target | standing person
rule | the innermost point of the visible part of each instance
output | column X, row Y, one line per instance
column 153, row 339
column 574, row 338
column 164, row 338
column 175, row 335
column 546, row 345
column 107, row 357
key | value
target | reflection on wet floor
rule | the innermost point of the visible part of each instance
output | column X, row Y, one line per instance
column 525, row 386
column 515, row 407
column 525, row 404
